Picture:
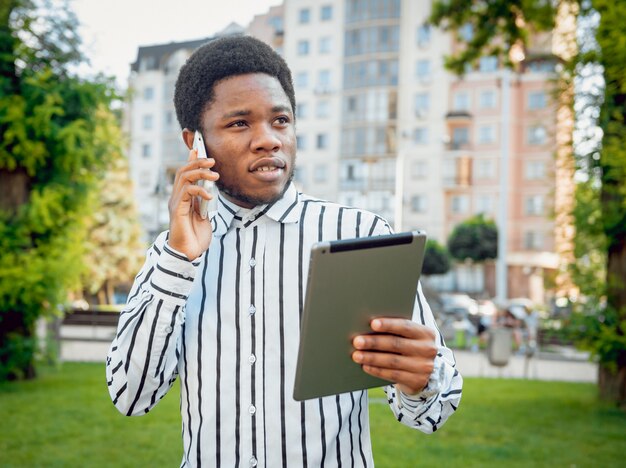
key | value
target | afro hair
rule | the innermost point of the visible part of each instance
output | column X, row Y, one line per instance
column 220, row 59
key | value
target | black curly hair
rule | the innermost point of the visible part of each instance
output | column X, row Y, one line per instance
column 219, row 59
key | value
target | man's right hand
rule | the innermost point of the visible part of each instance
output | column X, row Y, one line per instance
column 189, row 233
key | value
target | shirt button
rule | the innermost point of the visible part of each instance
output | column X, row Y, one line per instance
column 252, row 359
column 168, row 330
column 253, row 461
column 251, row 310
column 252, row 409
column 252, row 262
column 185, row 275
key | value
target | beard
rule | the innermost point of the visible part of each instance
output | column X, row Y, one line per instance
column 238, row 193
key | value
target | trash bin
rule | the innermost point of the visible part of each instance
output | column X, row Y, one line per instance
column 499, row 346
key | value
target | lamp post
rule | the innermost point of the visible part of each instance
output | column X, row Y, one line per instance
column 505, row 120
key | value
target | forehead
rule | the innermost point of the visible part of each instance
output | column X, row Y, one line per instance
column 247, row 92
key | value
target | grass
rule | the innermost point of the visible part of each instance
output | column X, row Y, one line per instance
column 65, row 418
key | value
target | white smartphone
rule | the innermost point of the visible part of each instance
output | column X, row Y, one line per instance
column 198, row 144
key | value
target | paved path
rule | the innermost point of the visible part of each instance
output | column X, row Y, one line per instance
column 540, row 368
column 566, row 366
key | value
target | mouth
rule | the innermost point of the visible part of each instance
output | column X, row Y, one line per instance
column 268, row 165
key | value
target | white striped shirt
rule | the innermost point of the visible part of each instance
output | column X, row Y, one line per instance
column 228, row 324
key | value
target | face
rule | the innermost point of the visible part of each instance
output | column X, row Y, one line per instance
column 249, row 131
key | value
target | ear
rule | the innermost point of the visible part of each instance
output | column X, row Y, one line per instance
column 188, row 137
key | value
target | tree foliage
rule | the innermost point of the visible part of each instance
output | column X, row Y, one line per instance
column 436, row 259
column 475, row 239
column 50, row 160
column 114, row 249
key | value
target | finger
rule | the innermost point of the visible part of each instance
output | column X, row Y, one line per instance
column 396, row 344
column 402, row 327
column 410, row 383
column 410, row 364
column 194, row 171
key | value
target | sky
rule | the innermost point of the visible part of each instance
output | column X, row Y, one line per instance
column 113, row 30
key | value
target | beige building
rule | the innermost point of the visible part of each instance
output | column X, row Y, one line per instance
column 382, row 125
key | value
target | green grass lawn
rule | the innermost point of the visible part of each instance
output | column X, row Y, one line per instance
column 65, row 418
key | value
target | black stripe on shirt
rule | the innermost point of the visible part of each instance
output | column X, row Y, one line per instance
column 281, row 325
column 199, row 356
column 218, row 357
column 237, row 348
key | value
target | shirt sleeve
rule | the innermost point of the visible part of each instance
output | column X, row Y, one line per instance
column 142, row 363
column 429, row 409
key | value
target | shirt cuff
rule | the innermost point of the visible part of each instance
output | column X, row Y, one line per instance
column 174, row 275
column 433, row 387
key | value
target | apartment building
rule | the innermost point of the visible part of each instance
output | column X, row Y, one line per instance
column 382, row 125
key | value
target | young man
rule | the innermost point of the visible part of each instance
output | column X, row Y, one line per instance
column 218, row 301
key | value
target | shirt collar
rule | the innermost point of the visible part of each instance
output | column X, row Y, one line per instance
column 286, row 209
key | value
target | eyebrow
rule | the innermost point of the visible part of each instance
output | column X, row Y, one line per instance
column 245, row 112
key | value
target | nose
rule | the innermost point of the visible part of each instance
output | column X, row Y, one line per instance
column 266, row 139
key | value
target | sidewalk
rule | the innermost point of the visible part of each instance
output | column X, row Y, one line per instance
column 564, row 366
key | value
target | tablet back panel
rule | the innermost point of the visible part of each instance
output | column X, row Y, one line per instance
column 351, row 282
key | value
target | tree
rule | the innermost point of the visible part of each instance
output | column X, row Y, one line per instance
column 114, row 249
column 436, row 259
column 475, row 239
column 602, row 169
column 50, row 161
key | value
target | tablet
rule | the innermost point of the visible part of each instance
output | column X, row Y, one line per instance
column 351, row 282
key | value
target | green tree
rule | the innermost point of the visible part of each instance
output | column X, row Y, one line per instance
column 600, row 212
column 475, row 239
column 436, row 259
column 49, row 162
column 114, row 249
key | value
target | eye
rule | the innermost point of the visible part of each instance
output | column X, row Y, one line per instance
column 282, row 120
column 238, row 123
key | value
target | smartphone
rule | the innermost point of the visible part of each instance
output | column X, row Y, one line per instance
column 198, row 144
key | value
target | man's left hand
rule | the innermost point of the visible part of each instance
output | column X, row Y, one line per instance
column 400, row 351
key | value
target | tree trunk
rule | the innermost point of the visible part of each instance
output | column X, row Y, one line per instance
column 612, row 385
column 14, row 189
column 16, row 355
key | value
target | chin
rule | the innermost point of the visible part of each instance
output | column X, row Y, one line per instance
column 250, row 199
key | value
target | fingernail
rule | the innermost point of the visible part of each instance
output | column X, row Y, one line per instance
column 357, row 357
column 358, row 342
column 376, row 324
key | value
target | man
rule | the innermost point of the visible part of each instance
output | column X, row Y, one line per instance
column 218, row 301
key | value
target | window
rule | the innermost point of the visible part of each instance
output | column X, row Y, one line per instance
column 320, row 173
column 461, row 101
column 303, row 47
column 147, row 122
column 466, row 32
column 301, row 142
column 304, row 15
column 536, row 135
column 419, row 203
column 460, row 137
column 420, row 135
column 534, row 205
column 146, row 150
column 419, row 169
column 484, row 204
column 460, row 204
column 422, row 103
column 323, row 79
column 299, row 174
column 422, row 70
column 326, row 13
column 537, row 100
column 535, row 170
column 484, row 169
column 533, row 240
column 169, row 119
column 302, row 110
column 486, row 134
column 148, row 93
column 325, row 45
column 488, row 64
column 487, row 99
column 302, row 80
column 322, row 141
column 323, row 109
column 423, row 35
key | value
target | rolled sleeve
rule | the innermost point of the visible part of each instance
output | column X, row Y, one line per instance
column 173, row 276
